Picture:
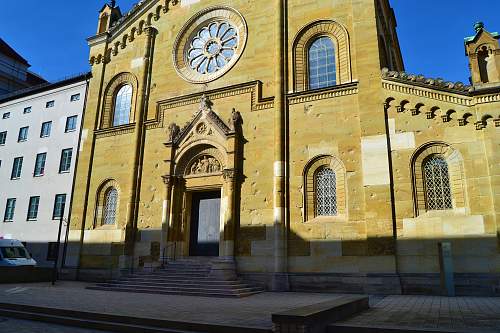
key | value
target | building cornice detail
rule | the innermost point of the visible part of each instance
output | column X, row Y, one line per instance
column 326, row 93
column 114, row 131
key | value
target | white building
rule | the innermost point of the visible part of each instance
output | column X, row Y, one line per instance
column 39, row 136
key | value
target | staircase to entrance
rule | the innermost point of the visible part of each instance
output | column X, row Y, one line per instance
column 190, row 277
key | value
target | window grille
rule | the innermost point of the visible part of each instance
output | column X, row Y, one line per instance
column 326, row 192
column 110, row 204
column 322, row 71
column 437, row 183
column 123, row 102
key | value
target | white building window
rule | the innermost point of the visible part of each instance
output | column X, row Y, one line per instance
column 65, row 163
column 71, row 124
column 50, row 104
column 17, row 167
column 33, row 208
column 75, row 97
column 45, row 131
column 59, row 204
column 3, row 137
column 123, row 103
column 27, row 109
column 326, row 192
column 23, row 134
column 6, row 115
column 9, row 210
column 110, row 203
column 40, row 164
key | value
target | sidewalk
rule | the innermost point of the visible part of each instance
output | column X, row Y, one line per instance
column 462, row 314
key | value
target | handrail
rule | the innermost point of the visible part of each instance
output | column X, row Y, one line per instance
column 174, row 244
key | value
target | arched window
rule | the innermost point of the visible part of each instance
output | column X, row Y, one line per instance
column 321, row 60
column 437, row 183
column 123, row 102
column 110, row 203
column 326, row 192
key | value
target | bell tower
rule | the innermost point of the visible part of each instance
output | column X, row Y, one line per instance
column 109, row 14
column 483, row 51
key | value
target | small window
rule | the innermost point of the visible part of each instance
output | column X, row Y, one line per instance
column 45, row 131
column 9, row 210
column 52, row 251
column 3, row 137
column 27, row 110
column 437, row 183
column 59, row 204
column 110, row 203
column 33, row 208
column 23, row 134
column 50, row 104
column 326, row 193
column 71, row 124
column 75, row 97
column 40, row 164
column 17, row 166
column 65, row 164
column 6, row 115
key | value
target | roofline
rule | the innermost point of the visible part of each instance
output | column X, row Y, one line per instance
column 45, row 87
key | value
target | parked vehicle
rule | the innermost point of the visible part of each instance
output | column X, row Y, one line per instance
column 13, row 253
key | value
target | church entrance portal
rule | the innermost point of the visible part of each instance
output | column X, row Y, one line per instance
column 205, row 224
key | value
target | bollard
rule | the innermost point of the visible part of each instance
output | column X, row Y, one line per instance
column 446, row 269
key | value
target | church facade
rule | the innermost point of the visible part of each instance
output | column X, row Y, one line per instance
column 284, row 140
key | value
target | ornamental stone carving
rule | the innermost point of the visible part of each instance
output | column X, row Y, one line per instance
column 204, row 165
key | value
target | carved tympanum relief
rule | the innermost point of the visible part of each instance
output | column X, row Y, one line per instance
column 205, row 165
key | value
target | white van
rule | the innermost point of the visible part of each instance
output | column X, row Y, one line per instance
column 13, row 253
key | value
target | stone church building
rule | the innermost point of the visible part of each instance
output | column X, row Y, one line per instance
column 283, row 140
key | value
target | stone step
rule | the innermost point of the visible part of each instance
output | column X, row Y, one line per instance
column 171, row 278
column 116, row 323
column 179, row 274
column 200, row 293
column 178, row 282
column 238, row 289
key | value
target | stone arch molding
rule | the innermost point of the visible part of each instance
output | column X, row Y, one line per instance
column 340, row 37
column 109, row 97
column 310, row 171
column 456, row 174
column 206, row 145
column 102, row 189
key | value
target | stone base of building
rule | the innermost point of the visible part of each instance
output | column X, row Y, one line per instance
column 466, row 284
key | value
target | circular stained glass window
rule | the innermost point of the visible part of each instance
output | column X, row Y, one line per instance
column 213, row 47
column 210, row 44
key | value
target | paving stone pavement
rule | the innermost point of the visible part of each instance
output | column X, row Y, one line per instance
column 253, row 311
column 9, row 325
column 466, row 314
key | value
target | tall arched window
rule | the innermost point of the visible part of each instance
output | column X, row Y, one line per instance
column 321, row 60
column 326, row 192
column 123, row 103
column 437, row 183
column 110, row 203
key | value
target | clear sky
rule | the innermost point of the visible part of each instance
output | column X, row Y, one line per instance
column 51, row 34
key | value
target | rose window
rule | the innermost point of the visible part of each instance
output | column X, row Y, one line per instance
column 213, row 47
column 210, row 44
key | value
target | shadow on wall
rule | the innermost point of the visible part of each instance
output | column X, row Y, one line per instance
column 320, row 265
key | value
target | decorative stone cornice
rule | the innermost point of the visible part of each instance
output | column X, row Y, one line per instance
column 421, row 80
column 127, row 20
column 114, row 131
column 229, row 175
column 326, row 93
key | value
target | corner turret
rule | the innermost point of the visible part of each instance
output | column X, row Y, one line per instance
column 108, row 15
column 483, row 51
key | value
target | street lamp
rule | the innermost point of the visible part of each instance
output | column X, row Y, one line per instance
column 61, row 219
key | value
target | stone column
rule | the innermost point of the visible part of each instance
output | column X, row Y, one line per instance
column 225, row 266
column 165, row 218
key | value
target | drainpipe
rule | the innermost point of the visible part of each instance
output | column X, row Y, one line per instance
column 280, row 277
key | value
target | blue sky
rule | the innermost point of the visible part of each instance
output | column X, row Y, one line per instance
column 51, row 34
